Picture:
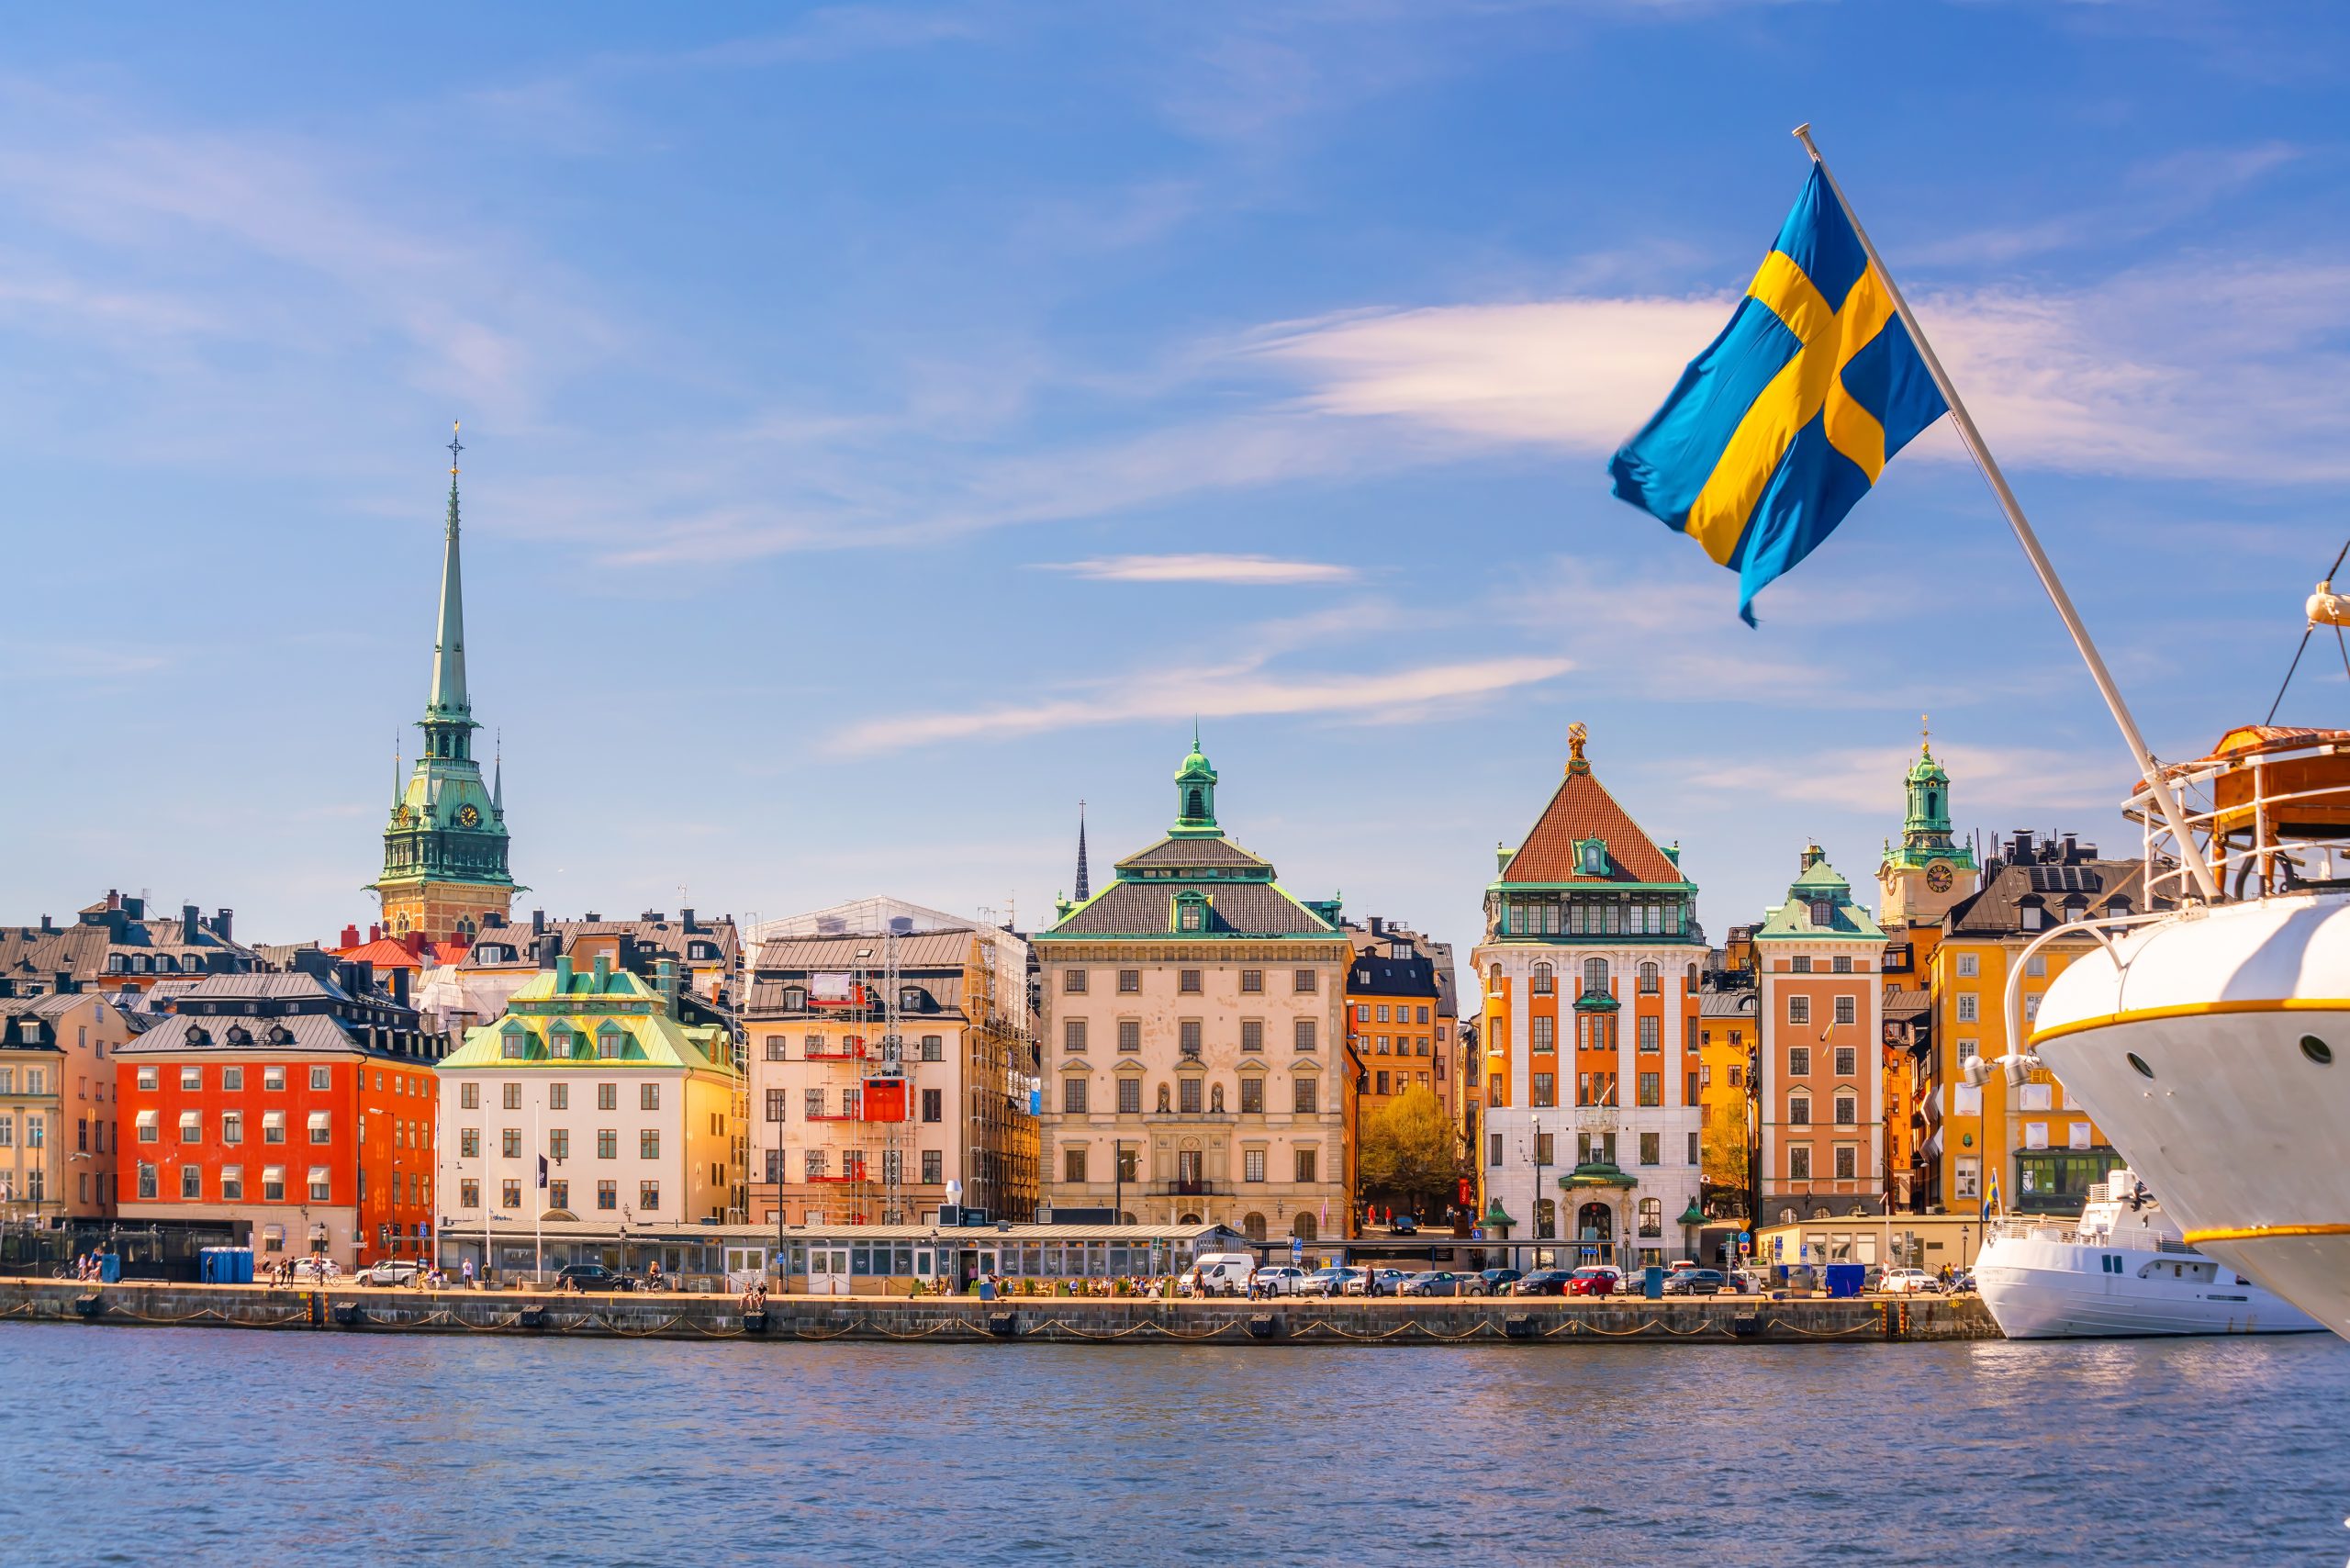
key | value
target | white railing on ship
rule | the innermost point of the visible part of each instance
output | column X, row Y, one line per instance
column 2259, row 863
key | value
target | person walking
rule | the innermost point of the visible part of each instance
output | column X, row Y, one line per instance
column 467, row 1269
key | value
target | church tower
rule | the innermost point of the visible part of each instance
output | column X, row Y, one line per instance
column 444, row 848
column 1929, row 870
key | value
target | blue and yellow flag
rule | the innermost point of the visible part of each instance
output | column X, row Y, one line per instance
column 1788, row 417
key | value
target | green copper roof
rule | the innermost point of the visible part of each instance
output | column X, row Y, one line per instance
column 1597, row 1173
column 448, row 700
column 1692, row 1216
column 570, row 1028
column 1819, row 884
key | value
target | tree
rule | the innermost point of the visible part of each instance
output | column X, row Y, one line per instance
column 1724, row 1146
column 1406, row 1154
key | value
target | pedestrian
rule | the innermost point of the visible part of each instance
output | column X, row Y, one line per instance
column 467, row 1269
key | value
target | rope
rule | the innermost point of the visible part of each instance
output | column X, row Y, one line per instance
column 2338, row 559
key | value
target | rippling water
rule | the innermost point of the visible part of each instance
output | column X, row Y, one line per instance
column 220, row 1445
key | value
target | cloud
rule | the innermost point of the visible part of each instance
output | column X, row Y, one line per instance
column 1247, row 570
column 1227, row 692
column 1991, row 782
column 2162, row 192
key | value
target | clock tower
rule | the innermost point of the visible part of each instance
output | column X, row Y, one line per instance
column 444, row 848
column 1927, row 871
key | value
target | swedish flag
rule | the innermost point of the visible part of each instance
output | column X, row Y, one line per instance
column 1787, row 417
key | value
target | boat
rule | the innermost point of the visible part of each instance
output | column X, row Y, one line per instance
column 2122, row 1270
column 2210, row 1037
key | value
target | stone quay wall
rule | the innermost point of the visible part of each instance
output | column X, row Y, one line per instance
column 966, row 1320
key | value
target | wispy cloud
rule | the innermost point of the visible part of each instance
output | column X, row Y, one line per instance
column 1245, row 570
column 1214, row 692
column 2159, row 193
column 2024, row 783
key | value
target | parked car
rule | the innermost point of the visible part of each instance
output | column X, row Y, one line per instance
column 390, row 1271
column 1696, row 1282
column 592, row 1277
column 1542, row 1281
column 1497, row 1281
column 1596, row 1278
column 317, row 1269
column 1282, row 1280
column 1218, row 1273
column 1437, row 1282
column 1323, row 1281
column 1404, row 1224
column 1377, row 1282
column 1962, row 1283
column 1747, row 1282
column 1909, row 1282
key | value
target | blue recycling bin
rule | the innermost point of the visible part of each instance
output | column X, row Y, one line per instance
column 1652, row 1282
column 1844, row 1278
column 110, row 1268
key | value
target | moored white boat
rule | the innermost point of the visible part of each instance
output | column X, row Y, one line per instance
column 2122, row 1270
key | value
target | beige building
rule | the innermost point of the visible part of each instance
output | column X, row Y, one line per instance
column 866, row 1100
column 56, row 1111
column 634, row 1113
column 1193, row 1039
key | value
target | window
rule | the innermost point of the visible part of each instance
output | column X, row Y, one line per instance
column 1305, row 1164
column 468, row 1143
column 1129, row 1035
column 776, row 1047
column 1594, row 978
column 1073, row 1164
column 1252, row 981
column 1305, row 1089
column 1968, row 1007
column 1493, row 1148
column 1073, row 1036
column 1803, row 963
column 933, row 1048
column 1847, row 1110
column 1798, row 1009
column 2036, row 966
column 191, row 1127
column 1798, row 1061
column 812, row 1164
column 1130, row 1097
column 1252, row 1035
column 1192, row 916
column 321, row 1126
column 1252, row 1165
column 1846, row 1009
column 609, row 1041
column 1072, row 1097
column 934, row 1106
column 322, row 1077
column 1252, row 1095
column 272, row 1078
column 648, row 1144
column 1970, row 1179
column 1798, row 1163
column 1544, row 1037
column 1543, row 985
column 813, row 1105
column 191, row 1077
column 469, row 1096
column 1651, row 1032
column 608, row 1097
column 146, row 1078
column 1188, row 981
column 510, row 1143
column 232, row 1126
column 648, row 1197
column 1188, row 1096
column 1073, row 982
column 648, row 1097
column 1844, row 1062
column 1651, row 1089
column 1969, row 966
column 1968, row 1051
column 273, row 1127
column 1648, row 978
column 559, row 1147
column 1383, row 1013
column 934, row 1167
column 321, row 1188
column 1847, row 1161
column 1304, row 1034
column 231, row 1078
column 1188, row 1034
column 1545, row 1090
column 1798, row 1110
column 512, row 1095
column 273, row 1184
column 232, row 1184
column 558, row 1192
column 1129, row 980
column 1302, row 981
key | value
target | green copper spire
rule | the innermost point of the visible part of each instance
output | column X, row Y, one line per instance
column 1196, row 794
column 449, row 699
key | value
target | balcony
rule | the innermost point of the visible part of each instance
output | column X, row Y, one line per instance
column 851, row 1048
column 1191, row 1187
column 850, row 1171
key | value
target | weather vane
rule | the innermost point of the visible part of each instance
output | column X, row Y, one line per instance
column 453, row 447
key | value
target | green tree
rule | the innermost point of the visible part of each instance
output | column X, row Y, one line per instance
column 1407, row 1155
column 1724, row 1146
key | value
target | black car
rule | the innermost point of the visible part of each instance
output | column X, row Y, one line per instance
column 1498, row 1280
column 592, row 1277
column 1543, row 1281
column 1403, row 1224
column 1696, row 1282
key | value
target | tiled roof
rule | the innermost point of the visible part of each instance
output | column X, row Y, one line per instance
column 1725, row 1005
column 384, row 953
column 945, row 950
column 1580, row 809
column 1235, row 908
column 937, row 997
column 308, row 1032
column 1900, row 1004
column 1995, row 908
column 1170, row 852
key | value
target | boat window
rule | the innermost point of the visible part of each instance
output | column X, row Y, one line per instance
column 2317, row 1051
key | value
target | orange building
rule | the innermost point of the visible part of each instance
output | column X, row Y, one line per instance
column 1402, row 1029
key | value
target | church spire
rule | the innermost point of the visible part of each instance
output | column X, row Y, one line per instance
column 449, row 699
column 497, row 778
column 1085, row 886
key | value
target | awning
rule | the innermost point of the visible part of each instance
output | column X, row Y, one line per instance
column 1692, row 1216
column 1597, row 1173
column 1596, row 1002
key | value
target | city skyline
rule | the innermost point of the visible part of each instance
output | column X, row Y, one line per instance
column 1267, row 375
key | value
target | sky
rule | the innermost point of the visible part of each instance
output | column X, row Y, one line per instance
column 887, row 426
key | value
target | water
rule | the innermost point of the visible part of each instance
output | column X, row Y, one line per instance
column 219, row 1446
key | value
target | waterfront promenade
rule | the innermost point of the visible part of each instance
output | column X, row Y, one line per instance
column 965, row 1320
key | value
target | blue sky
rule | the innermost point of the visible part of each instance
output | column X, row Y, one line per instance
column 890, row 424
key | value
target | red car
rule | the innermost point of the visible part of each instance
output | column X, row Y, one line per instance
column 1598, row 1278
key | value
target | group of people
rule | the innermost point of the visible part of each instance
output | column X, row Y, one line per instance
column 86, row 1267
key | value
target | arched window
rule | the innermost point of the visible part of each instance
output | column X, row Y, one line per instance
column 1163, row 1101
column 1595, row 977
column 1252, row 1226
column 1542, row 982
column 1216, row 1100
column 1652, row 1217
column 1303, row 1228
column 1196, row 804
column 1933, row 803
column 1690, row 979
column 1494, row 980
column 1648, row 979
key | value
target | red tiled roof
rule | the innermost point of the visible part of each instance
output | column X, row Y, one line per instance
column 1583, row 809
column 384, row 953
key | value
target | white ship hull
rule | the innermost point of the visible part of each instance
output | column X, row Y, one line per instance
column 2061, row 1290
column 2241, row 1128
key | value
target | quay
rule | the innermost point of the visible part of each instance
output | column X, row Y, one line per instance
column 944, row 1319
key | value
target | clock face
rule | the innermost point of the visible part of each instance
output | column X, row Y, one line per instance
column 1938, row 875
column 470, row 817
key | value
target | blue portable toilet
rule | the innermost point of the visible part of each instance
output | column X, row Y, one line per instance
column 1652, row 1282
column 226, row 1266
column 110, row 1268
column 1844, row 1278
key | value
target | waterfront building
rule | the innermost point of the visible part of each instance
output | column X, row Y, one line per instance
column 473, row 986
column 57, row 1104
column 887, row 1061
column 1820, row 971
column 444, row 848
column 1589, row 971
column 2046, row 1150
column 290, row 1112
column 590, row 1100
column 116, row 946
column 1729, row 1036
column 1403, row 1027
column 1193, row 1040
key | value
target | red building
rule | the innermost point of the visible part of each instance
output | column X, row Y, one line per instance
column 292, row 1113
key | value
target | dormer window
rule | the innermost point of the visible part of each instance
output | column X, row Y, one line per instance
column 1190, row 912
column 795, row 998
column 1593, row 854
column 510, row 1043
column 910, row 999
column 1823, row 912
column 607, row 1042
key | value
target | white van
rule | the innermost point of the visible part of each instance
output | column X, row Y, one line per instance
column 1219, row 1273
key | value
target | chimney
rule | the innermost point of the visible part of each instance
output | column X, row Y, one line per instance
column 350, row 937
column 135, row 908
column 66, row 985
column 546, row 949
column 188, row 923
column 114, row 899
column 223, row 922
column 603, row 973
column 45, row 925
column 8, row 986
column 667, row 971
column 562, row 976
column 365, row 974
column 538, row 921
column 2072, row 849
column 400, row 986
column 374, row 932
column 1378, row 925
column 685, row 918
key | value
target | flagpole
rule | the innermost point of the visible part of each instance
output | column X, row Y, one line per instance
column 2174, row 815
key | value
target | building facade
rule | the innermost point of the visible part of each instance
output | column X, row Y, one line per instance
column 293, row 1112
column 588, row 1100
column 1729, row 1036
column 1402, row 1028
column 1820, row 1102
column 1589, row 973
column 2044, row 1150
column 57, row 1104
column 116, row 946
column 1193, row 1040
column 868, row 1101
column 444, row 848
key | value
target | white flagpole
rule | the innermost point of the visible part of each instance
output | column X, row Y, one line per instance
column 2174, row 815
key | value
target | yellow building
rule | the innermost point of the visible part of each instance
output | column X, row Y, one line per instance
column 1727, row 1037
column 2044, row 1150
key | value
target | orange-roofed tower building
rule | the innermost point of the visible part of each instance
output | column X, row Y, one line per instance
column 1589, row 975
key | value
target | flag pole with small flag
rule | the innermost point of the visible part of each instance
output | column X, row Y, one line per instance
column 1778, row 428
